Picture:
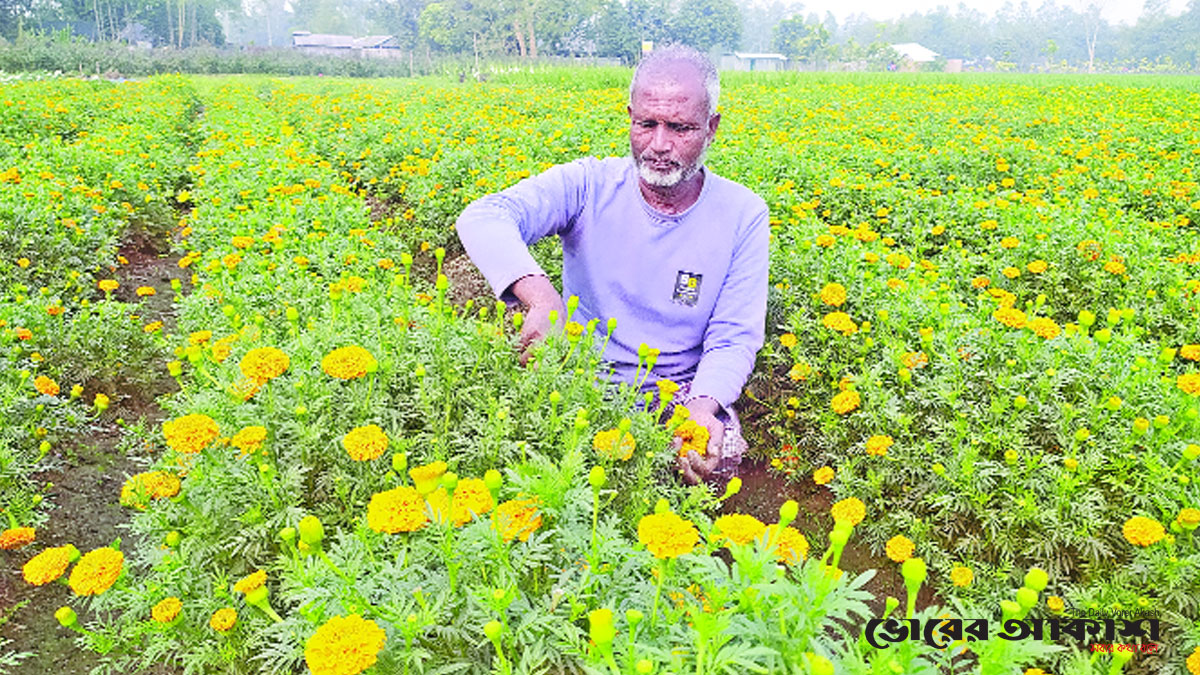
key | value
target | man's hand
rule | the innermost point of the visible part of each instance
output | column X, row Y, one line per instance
column 703, row 411
column 541, row 298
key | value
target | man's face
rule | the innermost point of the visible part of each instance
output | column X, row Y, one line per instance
column 670, row 128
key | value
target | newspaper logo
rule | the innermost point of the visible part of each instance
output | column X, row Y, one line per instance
column 687, row 288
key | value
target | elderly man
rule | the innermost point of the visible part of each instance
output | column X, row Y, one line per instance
column 676, row 254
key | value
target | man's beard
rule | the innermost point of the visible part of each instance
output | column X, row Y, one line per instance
column 677, row 175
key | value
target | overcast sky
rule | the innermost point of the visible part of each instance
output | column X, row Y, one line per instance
column 1116, row 11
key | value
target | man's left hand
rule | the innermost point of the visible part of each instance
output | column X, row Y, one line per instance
column 703, row 411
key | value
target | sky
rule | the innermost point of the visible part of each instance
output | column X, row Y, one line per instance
column 1115, row 11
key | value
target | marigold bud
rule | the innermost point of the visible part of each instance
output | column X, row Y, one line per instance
column 1037, row 579
column 493, row 480
column 66, row 617
column 311, row 530
column 600, row 626
column 1027, row 598
column 788, row 512
column 493, row 630
column 596, row 477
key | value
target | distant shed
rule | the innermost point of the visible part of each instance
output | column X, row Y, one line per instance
column 914, row 54
column 345, row 45
column 751, row 61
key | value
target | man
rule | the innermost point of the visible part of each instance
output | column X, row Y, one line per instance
column 677, row 254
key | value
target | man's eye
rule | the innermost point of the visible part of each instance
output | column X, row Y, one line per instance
column 683, row 128
column 647, row 124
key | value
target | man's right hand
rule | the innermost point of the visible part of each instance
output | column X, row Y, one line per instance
column 540, row 296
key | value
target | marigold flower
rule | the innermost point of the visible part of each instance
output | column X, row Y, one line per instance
column 823, row 475
column 825, row 240
column 980, row 282
column 97, row 571
column 46, row 385
column 251, row 582
column 1142, row 531
column 788, row 544
column 1010, row 242
column 107, row 285
column 833, row 294
column 1011, row 272
column 365, row 443
column 695, row 438
column 1189, row 383
column 1055, row 604
column 1010, row 316
column 471, row 498
column 840, row 322
column 200, row 337
column 899, row 548
column 1045, row 328
column 23, row 333
column 344, row 646
column 249, row 439
column 788, row 340
column 191, row 433
column 1190, row 352
column 878, row 445
column 737, row 528
column 915, row 360
column 167, row 610
column 348, row 363
column 145, row 291
column 437, row 504
column 397, row 510
column 140, row 489
column 846, row 402
column 16, row 537
column 899, row 261
column 223, row 619
column 426, row 477
column 606, row 444
column 517, row 519
column 851, row 510
column 1037, row 266
column 666, row 389
column 1115, row 267
column 264, row 363
column 49, row 565
column 666, row 535
column 1188, row 518
column 242, row 242
column 961, row 576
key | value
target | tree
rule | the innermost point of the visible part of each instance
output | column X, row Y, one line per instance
column 704, row 24
column 805, row 42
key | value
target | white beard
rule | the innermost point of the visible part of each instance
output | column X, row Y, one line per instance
column 671, row 178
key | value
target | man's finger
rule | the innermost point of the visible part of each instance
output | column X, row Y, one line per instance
column 685, row 465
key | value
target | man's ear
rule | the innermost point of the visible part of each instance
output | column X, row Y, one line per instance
column 713, row 122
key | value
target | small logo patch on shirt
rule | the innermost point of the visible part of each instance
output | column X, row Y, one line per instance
column 687, row 288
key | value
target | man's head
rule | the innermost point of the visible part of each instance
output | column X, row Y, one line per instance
column 672, row 114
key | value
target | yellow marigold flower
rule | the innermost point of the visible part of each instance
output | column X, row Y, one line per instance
column 145, row 291
column 1037, row 266
column 517, row 519
column 788, row 544
column 471, row 498
column 46, row 385
column 191, row 433
column 242, row 242
column 427, row 476
column 1193, row 662
column 666, row 535
column 961, row 576
column 97, row 571
column 1010, row 242
column 737, row 528
column 251, row 582
column 223, row 619
column 1011, row 272
column 397, row 510
column 200, row 337
column 899, row 261
column 166, row 610
column 249, row 439
column 365, row 443
column 980, row 282
column 1142, row 531
column 1045, row 328
column 1055, row 603
column 1189, row 383
column 344, row 646
column 1114, row 267
column 222, row 348
column 851, row 510
column 140, row 489
column 915, row 360
column 1190, row 352
column 1010, row 316
column 349, row 363
column 840, row 322
column 49, row 565
column 1188, row 518
column 16, row 537
column 264, row 363
column 666, row 388
column 152, row 327
column 788, row 340
column 833, row 294
column 1034, row 671
column 356, row 284
column 606, row 444
column 437, row 504
column 878, row 445
column 846, row 402
column 108, row 285
column 825, row 240
column 823, row 475
column 695, row 438
column 899, row 548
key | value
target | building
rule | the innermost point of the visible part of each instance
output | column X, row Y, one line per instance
column 913, row 55
column 749, row 61
column 345, row 45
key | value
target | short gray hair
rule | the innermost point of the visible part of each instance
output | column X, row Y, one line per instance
column 676, row 53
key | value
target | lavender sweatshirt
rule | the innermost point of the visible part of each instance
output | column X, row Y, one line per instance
column 693, row 285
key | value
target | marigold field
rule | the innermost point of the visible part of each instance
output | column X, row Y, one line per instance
column 983, row 362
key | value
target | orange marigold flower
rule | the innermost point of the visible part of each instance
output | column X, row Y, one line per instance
column 612, row 445
column 850, row 509
column 46, row 385
column 789, row 545
column 249, row 439
column 191, row 433
column 365, row 443
column 737, row 528
column 23, row 333
column 344, row 645
column 349, row 363
column 223, row 619
column 264, row 363
column 49, row 565
column 140, row 489
column 833, row 294
column 17, row 537
column 980, row 282
column 846, row 402
column 471, row 498
column 517, row 519
column 1089, row 249
column 666, row 535
column 961, row 576
column 1142, row 531
column 1045, row 327
column 823, row 475
column 695, row 438
column 397, row 510
column 97, row 571
column 167, row 610
column 1189, row 383
column 242, row 242
column 251, row 582
column 899, row 548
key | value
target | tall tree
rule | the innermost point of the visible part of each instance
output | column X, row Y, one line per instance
column 705, row 24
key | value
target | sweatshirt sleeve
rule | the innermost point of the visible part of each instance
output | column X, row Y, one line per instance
column 738, row 323
column 496, row 230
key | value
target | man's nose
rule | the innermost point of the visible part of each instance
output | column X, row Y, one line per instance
column 660, row 138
